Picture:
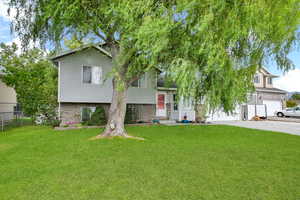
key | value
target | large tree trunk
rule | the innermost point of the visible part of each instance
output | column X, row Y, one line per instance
column 117, row 111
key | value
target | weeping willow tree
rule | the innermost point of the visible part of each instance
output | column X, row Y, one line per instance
column 210, row 48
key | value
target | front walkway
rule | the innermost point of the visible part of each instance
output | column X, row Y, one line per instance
column 277, row 126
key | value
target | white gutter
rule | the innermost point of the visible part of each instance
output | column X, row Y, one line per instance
column 58, row 92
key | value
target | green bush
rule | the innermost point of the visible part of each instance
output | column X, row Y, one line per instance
column 54, row 122
column 98, row 117
column 291, row 103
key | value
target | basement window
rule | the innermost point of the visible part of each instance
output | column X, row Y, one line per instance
column 86, row 113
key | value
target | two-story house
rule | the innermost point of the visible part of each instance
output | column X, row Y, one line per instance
column 83, row 84
column 266, row 93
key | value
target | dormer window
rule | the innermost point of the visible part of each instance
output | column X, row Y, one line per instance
column 270, row 80
column 256, row 79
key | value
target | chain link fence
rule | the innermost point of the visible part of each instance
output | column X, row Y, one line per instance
column 12, row 116
column 11, row 119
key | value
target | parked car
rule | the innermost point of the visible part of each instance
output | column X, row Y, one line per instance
column 289, row 112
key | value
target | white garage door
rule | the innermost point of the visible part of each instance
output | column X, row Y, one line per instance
column 272, row 106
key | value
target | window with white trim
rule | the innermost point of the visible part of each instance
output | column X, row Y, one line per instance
column 270, row 80
column 139, row 83
column 92, row 75
column 175, row 105
column 256, row 78
column 136, row 83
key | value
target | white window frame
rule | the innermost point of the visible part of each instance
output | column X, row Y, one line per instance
column 175, row 104
column 101, row 75
column 140, row 82
column 269, row 80
column 258, row 78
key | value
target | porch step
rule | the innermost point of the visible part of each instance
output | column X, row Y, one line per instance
column 167, row 121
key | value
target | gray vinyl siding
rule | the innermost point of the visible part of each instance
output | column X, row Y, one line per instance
column 7, row 94
column 8, row 98
column 72, row 89
column 272, row 96
column 261, row 96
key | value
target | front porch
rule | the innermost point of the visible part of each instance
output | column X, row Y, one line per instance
column 168, row 108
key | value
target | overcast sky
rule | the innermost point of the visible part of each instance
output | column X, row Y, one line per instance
column 289, row 81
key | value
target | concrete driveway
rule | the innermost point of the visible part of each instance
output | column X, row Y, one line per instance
column 278, row 126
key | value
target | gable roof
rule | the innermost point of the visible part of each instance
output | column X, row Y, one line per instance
column 272, row 90
column 267, row 73
column 84, row 47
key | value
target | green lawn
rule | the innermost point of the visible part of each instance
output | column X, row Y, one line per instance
column 184, row 162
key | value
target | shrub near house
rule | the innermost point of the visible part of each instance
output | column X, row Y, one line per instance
column 91, row 118
column 291, row 103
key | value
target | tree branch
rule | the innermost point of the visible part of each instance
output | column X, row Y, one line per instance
column 99, row 35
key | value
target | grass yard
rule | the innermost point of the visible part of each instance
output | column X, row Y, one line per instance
column 184, row 162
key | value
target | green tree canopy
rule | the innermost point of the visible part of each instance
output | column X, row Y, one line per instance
column 76, row 41
column 210, row 48
column 295, row 96
column 34, row 79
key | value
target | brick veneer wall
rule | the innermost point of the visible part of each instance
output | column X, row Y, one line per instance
column 71, row 112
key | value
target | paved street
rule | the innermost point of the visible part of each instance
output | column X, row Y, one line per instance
column 278, row 126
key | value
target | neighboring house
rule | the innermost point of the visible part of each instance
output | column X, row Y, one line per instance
column 266, row 93
column 263, row 102
column 8, row 99
column 84, row 84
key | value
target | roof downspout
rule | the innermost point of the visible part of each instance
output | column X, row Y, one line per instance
column 58, row 93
